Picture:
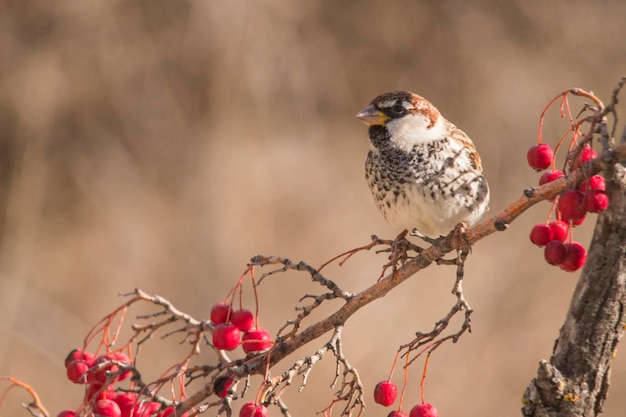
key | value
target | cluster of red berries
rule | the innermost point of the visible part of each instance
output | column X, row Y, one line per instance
column 227, row 335
column 229, row 326
column 572, row 205
column 98, row 374
column 385, row 394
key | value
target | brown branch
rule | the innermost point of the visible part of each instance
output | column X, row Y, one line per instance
column 422, row 260
column 429, row 255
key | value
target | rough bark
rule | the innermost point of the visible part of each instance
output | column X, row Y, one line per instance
column 575, row 381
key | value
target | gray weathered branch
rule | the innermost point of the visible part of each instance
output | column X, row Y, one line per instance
column 575, row 381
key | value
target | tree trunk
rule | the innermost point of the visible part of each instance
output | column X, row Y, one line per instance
column 575, row 381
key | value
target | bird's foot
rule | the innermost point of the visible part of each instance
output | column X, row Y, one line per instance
column 431, row 241
column 399, row 249
column 457, row 238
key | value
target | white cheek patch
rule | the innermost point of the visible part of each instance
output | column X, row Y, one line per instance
column 413, row 129
column 386, row 104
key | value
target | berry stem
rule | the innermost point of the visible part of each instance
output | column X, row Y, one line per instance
column 230, row 297
column 181, row 389
column 424, row 376
column 559, row 143
column 552, row 207
column 263, row 388
column 570, row 230
column 543, row 113
column 119, row 325
column 256, row 298
column 17, row 383
column 240, row 297
column 103, row 326
column 406, row 379
column 582, row 93
column 393, row 365
column 561, row 111
column 565, row 104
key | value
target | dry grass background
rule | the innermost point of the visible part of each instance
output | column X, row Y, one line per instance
column 159, row 144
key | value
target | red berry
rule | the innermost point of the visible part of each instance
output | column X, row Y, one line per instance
column 226, row 337
column 550, row 176
column 586, row 154
column 596, row 201
column 78, row 354
column 67, row 413
column 146, row 409
column 571, row 205
column 77, row 371
column 559, row 230
column 243, row 319
column 74, row 355
column 578, row 222
column 385, row 393
column 222, row 385
column 220, row 313
column 595, row 182
column 253, row 410
column 424, row 410
column 540, row 156
column 541, row 234
column 100, row 375
column 397, row 413
column 89, row 357
column 107, row 394
column 106, row 408
column 170, row 411
column 555, row 252
column 122, row 358
column 126, row 401
column 102, row 392
column 257, row 340
column 575, row 257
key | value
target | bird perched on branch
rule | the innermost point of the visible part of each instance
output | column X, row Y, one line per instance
column 424, row 173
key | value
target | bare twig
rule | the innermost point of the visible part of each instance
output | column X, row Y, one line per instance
column 35, row 407
column 316, row 276
column 432, row 339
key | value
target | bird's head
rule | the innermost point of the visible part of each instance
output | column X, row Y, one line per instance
column 406, row 118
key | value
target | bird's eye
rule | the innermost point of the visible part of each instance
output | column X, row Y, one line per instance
column 398, row 109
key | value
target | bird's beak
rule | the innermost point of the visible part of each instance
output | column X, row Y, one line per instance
column 372, row 116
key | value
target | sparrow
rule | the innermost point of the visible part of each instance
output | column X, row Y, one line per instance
column 425, row 174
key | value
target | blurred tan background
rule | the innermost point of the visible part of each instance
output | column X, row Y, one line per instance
column 160, row 144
